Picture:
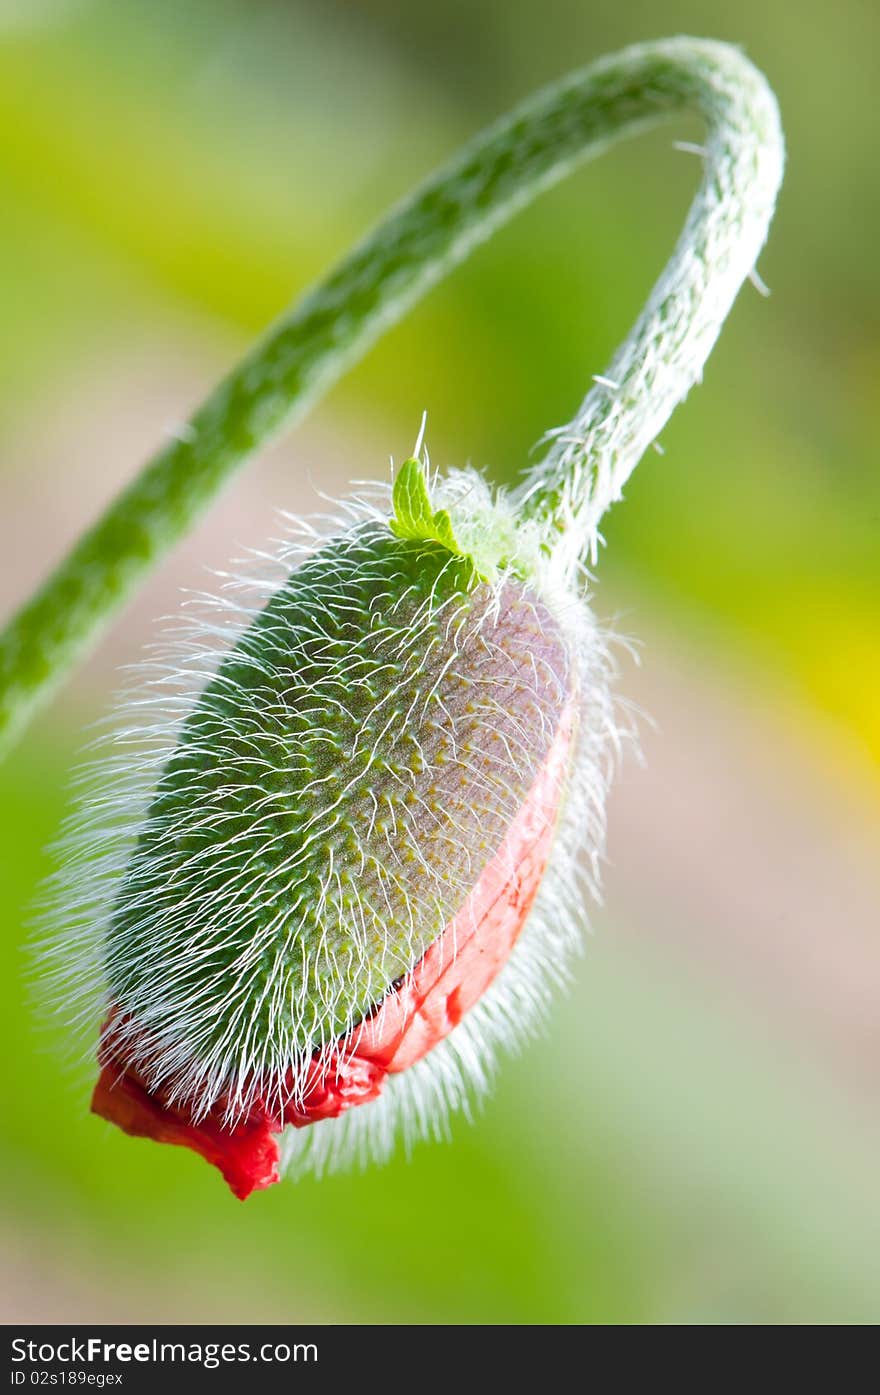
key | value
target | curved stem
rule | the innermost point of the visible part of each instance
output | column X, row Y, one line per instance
column 432, row 231
column 662, row 358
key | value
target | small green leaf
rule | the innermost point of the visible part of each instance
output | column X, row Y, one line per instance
column 413, row 515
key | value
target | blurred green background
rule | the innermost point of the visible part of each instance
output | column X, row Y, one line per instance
column 696, row 1137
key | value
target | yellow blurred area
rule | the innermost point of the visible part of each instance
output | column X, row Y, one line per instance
column 838, row 645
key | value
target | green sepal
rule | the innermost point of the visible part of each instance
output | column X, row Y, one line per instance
column 413, row 516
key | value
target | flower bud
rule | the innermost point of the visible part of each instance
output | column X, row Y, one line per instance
column 346, row 840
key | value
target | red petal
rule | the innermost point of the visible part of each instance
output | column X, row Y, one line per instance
column 247, row 1155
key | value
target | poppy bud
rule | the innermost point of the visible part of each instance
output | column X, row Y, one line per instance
column 349, row 834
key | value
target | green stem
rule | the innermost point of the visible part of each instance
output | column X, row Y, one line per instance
column 431, row 232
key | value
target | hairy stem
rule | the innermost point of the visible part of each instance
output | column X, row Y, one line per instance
column 663, row 356
column 431, row 232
